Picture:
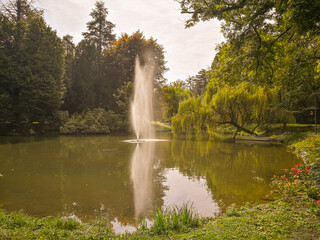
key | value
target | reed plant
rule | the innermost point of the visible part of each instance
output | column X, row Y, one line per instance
column 176, row 218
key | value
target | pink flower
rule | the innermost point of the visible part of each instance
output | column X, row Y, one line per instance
column 300, row 169
column 307, row 171
column 318, row 201
column 308, row 168
column 297, row 164
column 287, row 170
column 294, row 170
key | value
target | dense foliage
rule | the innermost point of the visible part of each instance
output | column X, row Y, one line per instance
column 31, row 75
column 173, row 94
column 95, row 121
column 239, row 105
column 241, row 15
column 266, row 72
column 43, row 77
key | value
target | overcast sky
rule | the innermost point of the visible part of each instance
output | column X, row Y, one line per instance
column 186, row 50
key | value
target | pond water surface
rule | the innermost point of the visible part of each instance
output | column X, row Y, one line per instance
column 102, row 176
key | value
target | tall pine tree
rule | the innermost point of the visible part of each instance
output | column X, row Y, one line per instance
column 100, row 29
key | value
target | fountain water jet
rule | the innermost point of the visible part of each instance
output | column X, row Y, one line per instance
column 142, row 103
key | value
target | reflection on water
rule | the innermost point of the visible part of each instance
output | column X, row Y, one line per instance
column 102, row 176
column 119, row 228
column 182, row 190
column 141, row 174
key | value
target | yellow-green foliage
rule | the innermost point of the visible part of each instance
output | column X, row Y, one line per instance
column 173, row 95
column 238, row 105
column 317, row 70
column 246, row 103
column 191, row 117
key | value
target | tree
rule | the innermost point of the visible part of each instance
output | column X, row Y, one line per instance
column 104, row 79
column 69, row 53
column 245, row 104
column 253, row 29
column 173, row 95
column 190, row 118
column 120, row 61
column 69, row 46
column 237, row 105
column 90, row 85
column 271, row 48
column 99, row 29
column 122, row 99
column 296, row 73
column 123, row 52
column 86, row 76
column 31, row 84
column 290, row 66
column 241, row 15
column 197, row 84
column 19, row 9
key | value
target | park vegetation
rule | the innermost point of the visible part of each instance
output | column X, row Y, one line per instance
column 266, row 72
column 49, row 84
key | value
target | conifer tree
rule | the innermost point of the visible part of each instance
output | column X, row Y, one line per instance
column 100, row 29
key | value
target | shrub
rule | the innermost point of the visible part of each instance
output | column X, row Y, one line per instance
column 301, row 182
column 95, row 121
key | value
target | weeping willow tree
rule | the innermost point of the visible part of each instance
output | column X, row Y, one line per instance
column 191, row 117
column 239, row 105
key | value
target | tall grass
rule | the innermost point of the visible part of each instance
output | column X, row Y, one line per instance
column 178, row 219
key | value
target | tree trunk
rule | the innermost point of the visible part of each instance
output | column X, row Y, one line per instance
column 243, row 129
column 18, row 10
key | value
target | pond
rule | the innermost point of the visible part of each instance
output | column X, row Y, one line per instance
column 102, row 176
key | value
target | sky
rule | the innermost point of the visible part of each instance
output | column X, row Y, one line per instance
column 186, row 50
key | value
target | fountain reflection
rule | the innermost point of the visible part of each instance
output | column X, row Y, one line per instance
column 141, row 175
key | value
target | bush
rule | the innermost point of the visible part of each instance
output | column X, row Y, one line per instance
column 95, row 121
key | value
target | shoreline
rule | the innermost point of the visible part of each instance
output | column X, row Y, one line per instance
column 271, row 220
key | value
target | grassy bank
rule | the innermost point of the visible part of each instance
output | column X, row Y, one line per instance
column 21, row 226
column 294, row 215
